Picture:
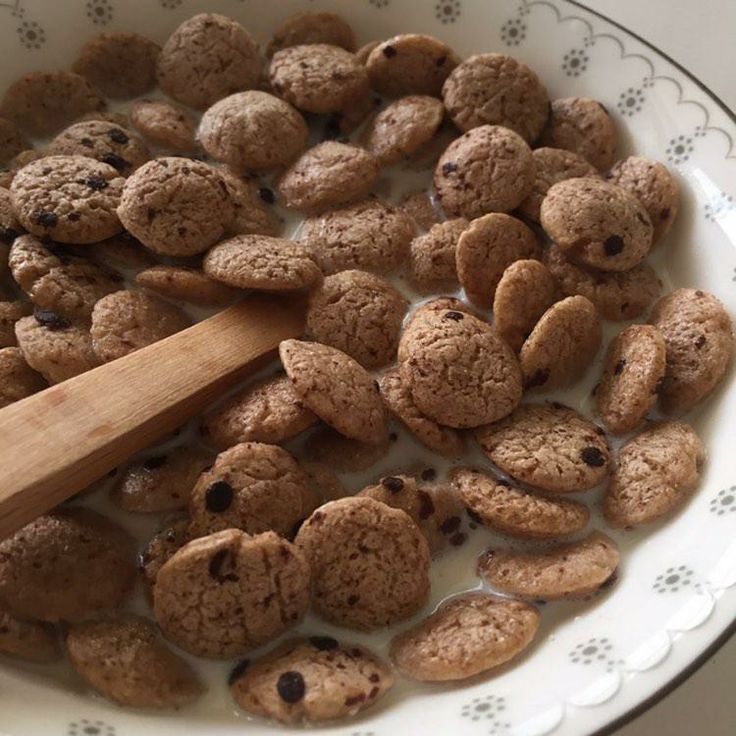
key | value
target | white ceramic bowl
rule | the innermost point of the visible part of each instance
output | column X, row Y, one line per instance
column 593, row 664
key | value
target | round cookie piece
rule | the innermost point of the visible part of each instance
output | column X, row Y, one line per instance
column 10, row 313
column 364, row 51
column 584, row 126
column 206, row 58
column 187, row 285
column 71, row 199
column 66, row 565
column 524, row 293
column 226, row 593
column 698, row 334
column 252, row 216
column 26, row 639
column 160, row 548
column 254, row 487
column 17, row 379
column 419, row 206
column 7, row 174
column 369, row 563
column 468, row 634
column 12, row 141
column 571, row 570
column 124, row 660
column 515, row 512
column 164, row 124
column 488, row 169
column 548, row 446
column 311, row 680
column 657, row 472
column 432, row 265
column 410, row 64
column 342, row 454
column 121, row 251
column 632, row 374
column 562, row 345
column 359, row 313
column 486, row 248
column 310, row 27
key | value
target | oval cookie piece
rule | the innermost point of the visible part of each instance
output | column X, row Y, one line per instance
column 186, row 285
column 253, row 215
column 307, row 27
column 341, row 453
column 164, row 124
column 160, row 548
column 432, row 257
column 17, row 378
column 26, row 639
column 10, row 313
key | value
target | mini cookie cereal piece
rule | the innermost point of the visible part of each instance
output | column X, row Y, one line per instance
column 7, row 174
column 437, row 304
column 653, row 185
column 548, row 446
column 657, row 472
column 597, row 223
column 419, row 207
column 553, row 165
column 432, row 256
column 466, row 635
column 12, row 141
column 10, row 313
column 161, row 482
column 310, row 27
column 410, row 64
column 698, row 334
column 269, row 411
column 318, row 77
column 252, row 216
column 341, row 453
column 632, row 374
column 517, row 513
column 459, row 371
column 66, row 565
column 40, row 103
column 329, row 175
column 372, row 236
column 124, row 660
column 364, row 51
column 618, row 295
column 207, row 58
column 71, row 199
column 26, row 639
column 187, row 285
column 369, row 563
column 121, row 251
column 488, row 169
column 160, row 548
column 524, row 293
column 176, row 206
column 584, row 126
column 571, row 570
column 323, row 482
column 229, row 592
column 562, row 345
column 10, row 228
column 352, row 116
column 312, row 681
column 486, row 248
column 359, row 313
column 17, row 378
column 336, row 388
column 164, row 124
column 253, row 131
column 495, row 89
column 261, row 262
column 55, row 347
column 126, row 321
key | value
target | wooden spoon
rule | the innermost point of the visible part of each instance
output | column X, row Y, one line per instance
column 58, row 441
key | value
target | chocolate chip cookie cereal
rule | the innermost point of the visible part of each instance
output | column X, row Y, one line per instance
column 310, row 27
column 17, row 378
column 187, row 285
column 164, row 124
column 161, row 547
column 432, row 265
column 341, row 453
column 26, row 639
column 253, row 216
column 10, row 313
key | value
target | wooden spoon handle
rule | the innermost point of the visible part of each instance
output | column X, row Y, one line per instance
column 58, row 441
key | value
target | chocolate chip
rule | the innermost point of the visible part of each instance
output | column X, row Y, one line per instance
column 458, row 539
column 353, row 599
column 613, row 245
column 44, row 218
column 238, row 671
column 216, row 564
column 96, row 183
column 700, row 342
column 426, row 505
column 392, row 483
column 151, row 463
column 324, row 643
column 700, row 294
column 429, row 474
column 664, row 214
column 355, row 699
column 73, row 216
column 374, row 677
column 51, row 320
column 449, row 167
column 291, row 687
column 619, row 367
column 267, row 195
column 454, row 316
column 538, row 378
column 87, row 142
column 374, row 691
column 8, row 235
column 116, row 135
column 389, row 52
column 593, row 456
column 450, row 524
column 117, row 162
column 219, row 496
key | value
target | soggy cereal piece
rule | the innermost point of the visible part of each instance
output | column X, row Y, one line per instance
column 552, row 165
column 164, row 124
column 311, row 680
column 26, row 639
column 562, row 344
column 187, row 285
column 468, row 634
column 489, row 169
column 310, row 27
column 160, row 548
column 369, row 563
column 66, row 565
column 229, row 592
column 176, row 206
column 12, row 141
column 127, row 321
column 252, row 216
column 584, row 126
column 17, row 378
column 495, row 89
column 618, row 295
column 119, row 64
column 653, row 185
column 71, row 199
column 41, row 103
column 207, row 58
column 10, row 313
column 420, row 208
column 342, row 453
column 571, row 570
column 371, row 235
column 548, row 446
column 253, row 131
column 597, row 223
column 486, row 248
column 329, row 175
column 104, row 141
column 698, row 333
column 515, row 512
column 336, row 388
column 432, row 257
column 657, row 472
column 524, row 293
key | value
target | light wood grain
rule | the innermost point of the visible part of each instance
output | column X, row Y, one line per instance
column 58, row 441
